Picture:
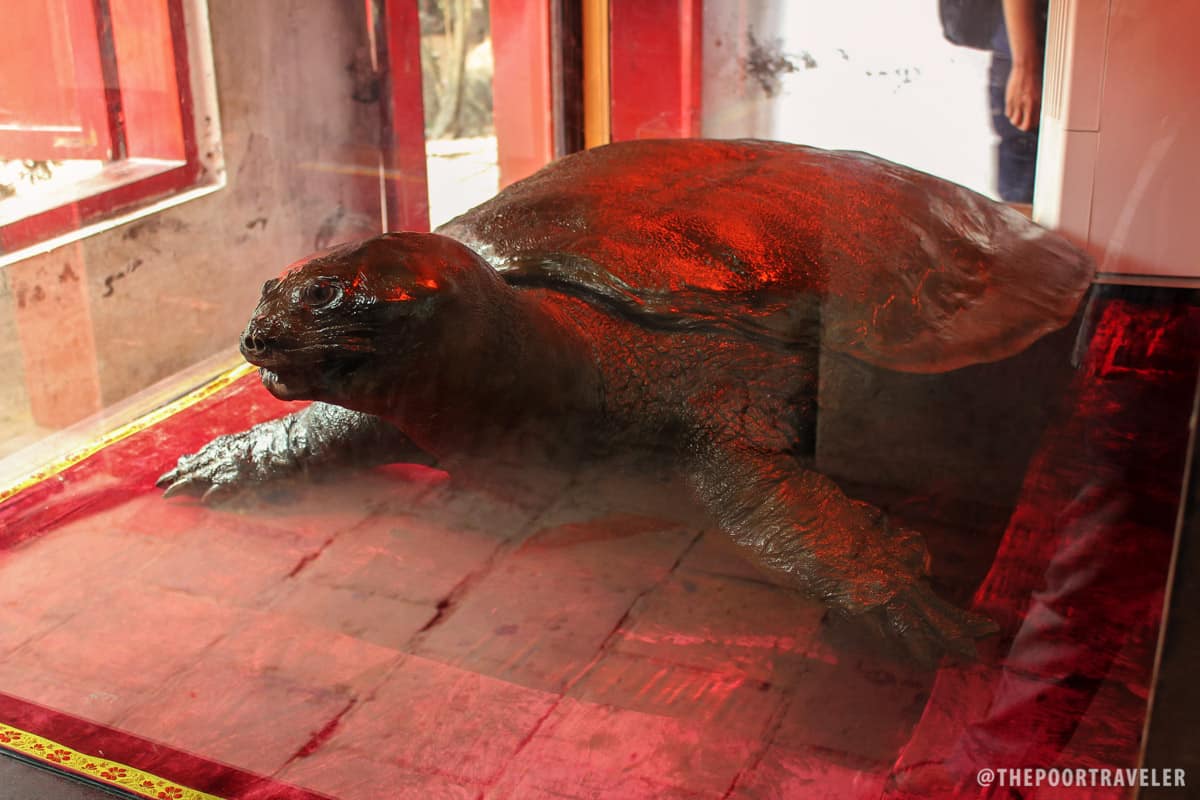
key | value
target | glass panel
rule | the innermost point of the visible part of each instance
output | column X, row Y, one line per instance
column 54, row 102
column 460, row 137
column 814, row 73
column 96, row 109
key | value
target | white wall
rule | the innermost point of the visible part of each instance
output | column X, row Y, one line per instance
column 880, row 78
column 1119, row 158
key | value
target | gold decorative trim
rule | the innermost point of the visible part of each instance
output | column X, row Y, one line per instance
column 141, row 423
column 100, row 770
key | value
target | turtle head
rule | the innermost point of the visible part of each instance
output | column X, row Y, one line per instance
column 354, row 324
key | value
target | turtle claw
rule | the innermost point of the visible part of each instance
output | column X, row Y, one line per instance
column 189, row 486
column 928, row 627
column 177, row 482
column 173, row 489
column 215, row 472
column 216, row 494
column 209, row 491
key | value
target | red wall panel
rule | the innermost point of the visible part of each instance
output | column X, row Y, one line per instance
column 521, row 93
column 656, row 48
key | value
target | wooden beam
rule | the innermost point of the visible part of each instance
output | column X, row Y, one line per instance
column 597, row 74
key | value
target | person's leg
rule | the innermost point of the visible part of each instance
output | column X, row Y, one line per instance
column 1016, row 152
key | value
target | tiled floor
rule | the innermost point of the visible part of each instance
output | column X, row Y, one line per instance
column 406, row 642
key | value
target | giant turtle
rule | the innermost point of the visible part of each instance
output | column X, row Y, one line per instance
column 665, row 293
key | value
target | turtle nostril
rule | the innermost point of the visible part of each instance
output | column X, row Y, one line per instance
column 254, row 342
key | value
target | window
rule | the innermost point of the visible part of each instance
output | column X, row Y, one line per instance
column 98, row 113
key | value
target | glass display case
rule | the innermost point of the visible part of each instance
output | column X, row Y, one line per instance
column 741, row 432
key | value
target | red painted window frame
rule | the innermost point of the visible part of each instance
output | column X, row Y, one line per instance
column 124, row 185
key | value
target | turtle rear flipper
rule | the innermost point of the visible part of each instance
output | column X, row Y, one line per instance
column 797, row 524
column 928, row 626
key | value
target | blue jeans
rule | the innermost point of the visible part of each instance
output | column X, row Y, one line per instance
column 1016, row 154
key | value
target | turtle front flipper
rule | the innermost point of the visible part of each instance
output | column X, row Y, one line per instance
column 319, row 438
column 797, row 524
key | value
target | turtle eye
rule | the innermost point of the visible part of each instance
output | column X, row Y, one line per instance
column 319, row 294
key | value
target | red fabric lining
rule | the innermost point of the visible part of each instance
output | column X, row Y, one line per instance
column 157, row 759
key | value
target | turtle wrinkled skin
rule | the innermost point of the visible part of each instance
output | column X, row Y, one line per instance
column 670, row 294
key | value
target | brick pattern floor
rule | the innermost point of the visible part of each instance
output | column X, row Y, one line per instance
column 395, row 635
